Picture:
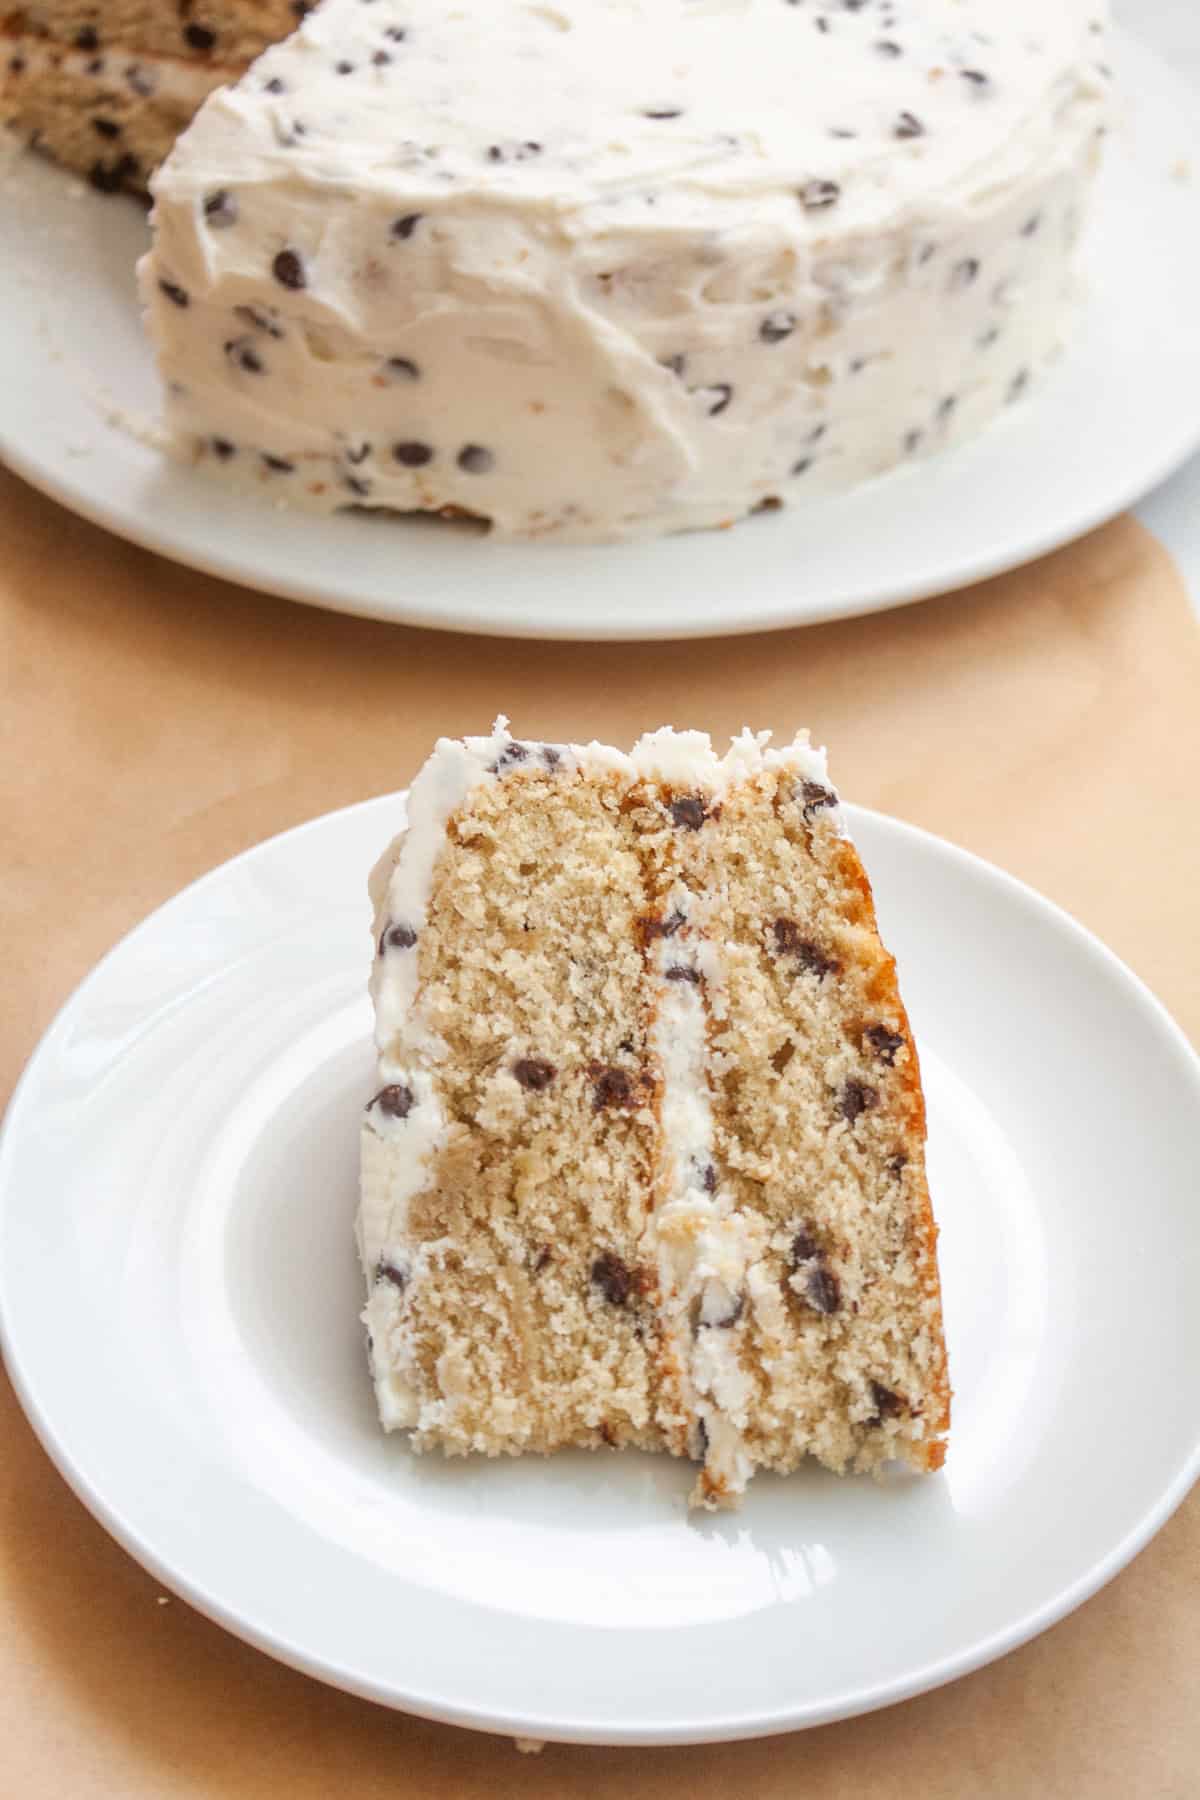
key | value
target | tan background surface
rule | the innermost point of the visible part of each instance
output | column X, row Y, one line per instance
column 153, row 722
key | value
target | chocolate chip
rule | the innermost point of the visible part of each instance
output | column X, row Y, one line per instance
column 698, row 1448
column 543, row 1259
column 613, row 1277
column 855, row 1099
column 708, row 1178
column 612, row 1087
column 803, row 466
column 689, row 813
column 288, row 270
column 396, row 33
column 86, row 38
column 475, row 460
column 809, row 956
column 106, row 128
column 804, row 1247
column 413, row 455
column 816, row 195
column 946, row 407
column 402, row 368
column 609, row 1435
column 222, row 449
column 897, row 1165
column 110, row 178
column 771, row 503
column 16, row 65
column 777, row 326
column 514, row 752
column 551, row 756
column 220, row 210
column 278, row 465
column 975, row 77
column 358, row 453
column 908, row 126
column 676, row 363
column 662, row 112
column 1017, row 385
column 394, row 1102
column 404, row 228
column 912, row 442
column 1031, row 226
column 199, row 37
column 381, row 58
column 360, row 489
column 343, row 68
column 964, row 273
column 887, row 1404
column 821, row 1289
column 243, row 355
column 681, row 972
column 888, row 47
column 814, row 796
column 275, row 86
column 534, row 1074
column 387, row 1271
column 397, row 937
column 257, row 321
column 177, row 295
column 719, row 395
column 884, row 1042
column 651, row 929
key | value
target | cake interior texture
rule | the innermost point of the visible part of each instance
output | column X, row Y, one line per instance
column 645, row 1164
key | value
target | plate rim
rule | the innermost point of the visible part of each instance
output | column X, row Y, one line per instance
column 64, row 483
column 847, row 1704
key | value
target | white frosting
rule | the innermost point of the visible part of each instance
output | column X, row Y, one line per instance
column 528, row 297
column 145, row 74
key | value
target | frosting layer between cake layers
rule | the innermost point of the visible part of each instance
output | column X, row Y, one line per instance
column 596, row 270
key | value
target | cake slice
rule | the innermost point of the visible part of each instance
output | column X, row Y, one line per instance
column 644, row 1163
column 106, row 89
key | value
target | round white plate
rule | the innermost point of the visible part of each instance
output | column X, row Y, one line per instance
column 1117, row 416
column 179, row 1303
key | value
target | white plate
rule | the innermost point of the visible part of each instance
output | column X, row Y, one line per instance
column 1118, row 415
column 179, row 1300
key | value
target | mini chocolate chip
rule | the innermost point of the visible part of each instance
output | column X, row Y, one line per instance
column 662, row 112
column 473, row 459
column 964, row 273
column 676, row 363
column 681, row 972
column 803, row 466
column 397, row 937
column 360, row 489
column 817, row 433
column 223, row 449
column 550, row 756
column 816, row 195
column 86, row 38
column 404, row 228
column 394, row 1102
column 106, row 128
column 110, row 178
column 220, row 210
column 660, row 928
column 243, row 355
column 804, row 1247
column 887, row 1404
column 358, row 453
column 888, row 47
column 821, row 1289
column 343, row 68
column 199, row 37
column 946, row 407
column 543, row 1258
column 288, row 270
column 708, row 1178
column 897, row 1165
column 689, row 813
column 855, row 1099
column 608, row 1434
column 403, row 368
column 771, row 503
column 413, row 455
column 275, row 86
column 720, row 395
column 534, row 1074
column 1018, row 384
column 513, row 752
column 777, row 326
column 387, row 1271
column 912, row 442
column 613, row 1277
column 174, row 293
column 884, row 1042
column 279, row 465
column 612, row 1087
column 815, row 796
column 908, row 126
column 257, row 321
column 381, row 58
column 698, row 1449
column 976, row 77
column 396, row 33
column 1031, row 226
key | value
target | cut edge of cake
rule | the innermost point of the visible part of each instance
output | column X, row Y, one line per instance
column 645, row 1160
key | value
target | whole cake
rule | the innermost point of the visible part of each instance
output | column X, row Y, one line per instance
column 599, row 268
column 644, row 1164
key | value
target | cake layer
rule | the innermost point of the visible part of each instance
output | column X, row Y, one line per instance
column 593, row 270
column 645, row 1160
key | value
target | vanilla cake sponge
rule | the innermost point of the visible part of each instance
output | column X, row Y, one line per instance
column 644, row 1164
